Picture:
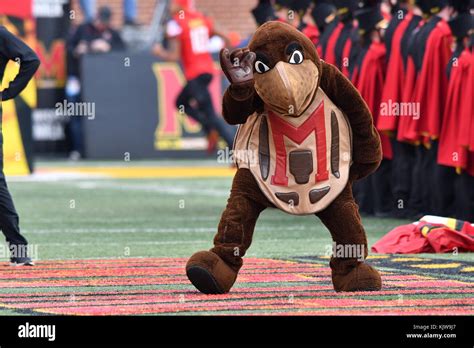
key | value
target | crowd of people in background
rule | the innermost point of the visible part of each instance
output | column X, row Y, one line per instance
column 412, row 62
column 89, row 9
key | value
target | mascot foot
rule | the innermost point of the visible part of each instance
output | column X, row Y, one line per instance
column 354, row 276
column 209, row 273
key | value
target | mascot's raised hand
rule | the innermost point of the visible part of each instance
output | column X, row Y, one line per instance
column 238, row 66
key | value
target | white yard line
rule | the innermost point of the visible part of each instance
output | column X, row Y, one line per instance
column 29, row 220
column 149, row 230
column 117, row 230
column 126, row 243
column 55, row 177
column 170, row 242
column 176, row 190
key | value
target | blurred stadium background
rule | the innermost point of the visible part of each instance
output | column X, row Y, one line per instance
column 144, row 184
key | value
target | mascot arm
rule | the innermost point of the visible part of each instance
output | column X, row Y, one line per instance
column 239, row 103
column 240, row 99
column 367, row 149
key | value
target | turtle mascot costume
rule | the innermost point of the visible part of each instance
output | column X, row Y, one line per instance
column 305, row 136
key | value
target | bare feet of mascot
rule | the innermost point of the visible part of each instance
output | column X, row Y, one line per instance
column 305, row 135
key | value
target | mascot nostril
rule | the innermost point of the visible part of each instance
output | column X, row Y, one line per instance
column 305, row 135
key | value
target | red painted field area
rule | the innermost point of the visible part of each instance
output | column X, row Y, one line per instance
column 264, row 287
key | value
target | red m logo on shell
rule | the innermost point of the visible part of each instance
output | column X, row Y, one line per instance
column 280, row 129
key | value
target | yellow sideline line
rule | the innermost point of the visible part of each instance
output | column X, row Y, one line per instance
column 407, row 259
column 437, row 265
column 145, row 172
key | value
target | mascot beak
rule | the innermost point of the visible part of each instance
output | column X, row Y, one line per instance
column 288, row 89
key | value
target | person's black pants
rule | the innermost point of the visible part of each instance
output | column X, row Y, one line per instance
column 382, row 188
column 402, row 173
column 74, row 128
column 465, row 199
column 195, row 100
column 422, row 181
column 9, row 220
column 444, row 191
column 373, row 194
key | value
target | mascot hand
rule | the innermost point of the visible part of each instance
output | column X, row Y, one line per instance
column 238, row 66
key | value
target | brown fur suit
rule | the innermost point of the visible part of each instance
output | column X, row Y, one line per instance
column 215, row 271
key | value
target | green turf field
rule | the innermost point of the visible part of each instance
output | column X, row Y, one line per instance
column 108, row 218
column 97, row 218
column 119, row 218
column 149, row 217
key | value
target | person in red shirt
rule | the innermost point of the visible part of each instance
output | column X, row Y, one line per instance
column 324, row 16
column 305, row 21
column 263, row 12
column 408, row 189
column 374, row 193
column 332, row 25
column 454, row 153
column 296, row 13
column 339, row 47
column 406, row 18
column 283, row 11
column 188, row 34
column 426, row 86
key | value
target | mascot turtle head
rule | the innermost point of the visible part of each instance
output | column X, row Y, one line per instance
column 287, row 68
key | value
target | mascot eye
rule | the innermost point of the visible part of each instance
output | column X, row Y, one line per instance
column 296, row 57
column 261, row 67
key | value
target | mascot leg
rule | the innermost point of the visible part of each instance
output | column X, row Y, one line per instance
column 215, row 271
column 349, row 272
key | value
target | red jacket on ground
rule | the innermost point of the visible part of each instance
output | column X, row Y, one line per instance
column 428, row 237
